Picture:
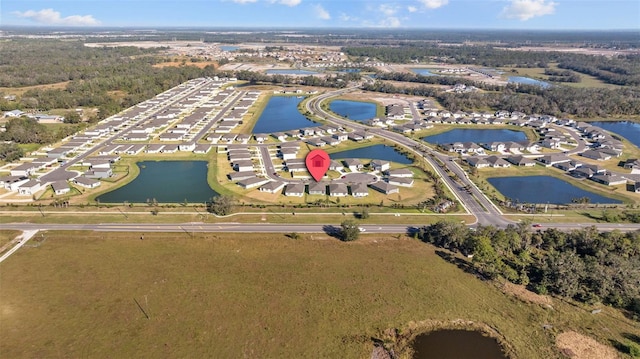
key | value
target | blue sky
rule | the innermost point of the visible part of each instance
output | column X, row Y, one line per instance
column 436, row 14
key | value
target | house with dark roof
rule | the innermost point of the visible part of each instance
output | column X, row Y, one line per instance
column 596, row 155
column 353, row 164
column 86, row 182
column 609, row 179
column 294, row 190
column 384, row 187
column 400, row 181
column 29, row 187
column 338, row 190
column 477, row 162
column 520, row 160
column 60, row 187
column 359, row 190
column 401, row 172
column 272, row 187
column 252, row 182
column 379, row 165
column 317, row 188
column 497, row 162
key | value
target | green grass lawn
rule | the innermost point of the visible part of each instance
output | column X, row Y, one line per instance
column 89, row 294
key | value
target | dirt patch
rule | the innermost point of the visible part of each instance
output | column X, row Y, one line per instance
column 523, row 294
column 578, row 346
column 201, row 64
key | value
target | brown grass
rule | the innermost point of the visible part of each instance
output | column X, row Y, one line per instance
column 579, row 346
column 255, row 295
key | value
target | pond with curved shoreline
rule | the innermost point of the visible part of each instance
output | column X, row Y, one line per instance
column 166, row 182
column 374, row 152
column 477, row 135
column 282, row 114
column 543, row 189
column 353, row 110
column 456, row 343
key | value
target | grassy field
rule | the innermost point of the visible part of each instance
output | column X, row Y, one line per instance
column 86, row 294
column 7, row 236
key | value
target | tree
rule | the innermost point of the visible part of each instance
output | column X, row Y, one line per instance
column 10, row 152
column 349, row 231
column 72, row 117
column 221, row 205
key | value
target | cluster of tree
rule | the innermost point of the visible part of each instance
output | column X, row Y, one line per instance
column 349, row 231
column 52, row 61
column 620, row 70
column 28, row 130
column 10, row 152
column 221, row 205
column 562, row 76
column 584, row 265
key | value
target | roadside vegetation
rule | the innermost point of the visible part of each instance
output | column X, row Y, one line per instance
column 584, row 265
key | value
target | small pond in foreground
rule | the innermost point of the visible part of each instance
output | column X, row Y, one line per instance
column 167, row 182
column 476, row 135
column 353, row 110
column 457, row 344
column 375, row 152
column 543, row 189
column 281, row 114
column 627, row 129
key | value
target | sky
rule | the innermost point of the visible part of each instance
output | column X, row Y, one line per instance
column 416, row 14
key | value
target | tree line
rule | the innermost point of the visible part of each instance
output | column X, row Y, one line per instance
column 584, row 265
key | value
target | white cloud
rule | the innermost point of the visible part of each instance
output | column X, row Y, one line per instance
column 527, row 9
column 289, row 2
column 244, row 1
column 412, row 8
column 434, row 4
column 321, row 13
column 387, row 10
column 52, row 17
column 390, row 22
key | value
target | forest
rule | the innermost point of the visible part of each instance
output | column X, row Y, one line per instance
column 584, row 265
column 618, row 70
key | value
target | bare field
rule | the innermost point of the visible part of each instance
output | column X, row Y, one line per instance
column 89, row 294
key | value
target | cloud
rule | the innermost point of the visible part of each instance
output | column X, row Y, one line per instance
column 387, row 10
column 412, row 8
column 434, row 4
column 52, row 17
column 527, row 9
column 390, row 22
column 244, row 1
column 321, row 13
column 289, row 2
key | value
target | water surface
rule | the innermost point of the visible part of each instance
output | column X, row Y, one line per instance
column 281, row 114
column 543, row 189
column 527, row 81
column 627, row 129
column 456, row 344
column 167, row 182
column 476, row 135
column 375, row 152
column 353, row 110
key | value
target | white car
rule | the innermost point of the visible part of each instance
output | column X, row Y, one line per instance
column 361, row 229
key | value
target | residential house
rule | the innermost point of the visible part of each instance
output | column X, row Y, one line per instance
column 272, row 187
column 400, row 181
column 402, row 172
column 317, row 188
column 338, row 190
column 86, row 182
column 477, row 162
column 520, row 160
column 384, row 187
column 596, row 155
column 380, row 165
column 359, row 190
column 609, row 179
column 353, row 164
column 239, row 176
column 243, row 165
column 252, row 182
column 294, row 190
column 29, row 187
column 60, row 187
column 497, row 162
column 23, row 170
column 550, row 160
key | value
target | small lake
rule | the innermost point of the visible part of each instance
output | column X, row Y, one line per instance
column 627, row 129
column 228, row 48
column 423, row 72
column 353, row 110
column 167, row 182
column 291, row 72
column 476, row 135
column 375, row 152
column 527, row 81
column 543, row 189
column 281, row 114
column 456, row 344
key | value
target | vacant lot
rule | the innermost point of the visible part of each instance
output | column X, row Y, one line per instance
column 86, row 294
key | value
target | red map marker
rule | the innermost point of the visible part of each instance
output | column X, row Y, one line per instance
column 317, row 163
